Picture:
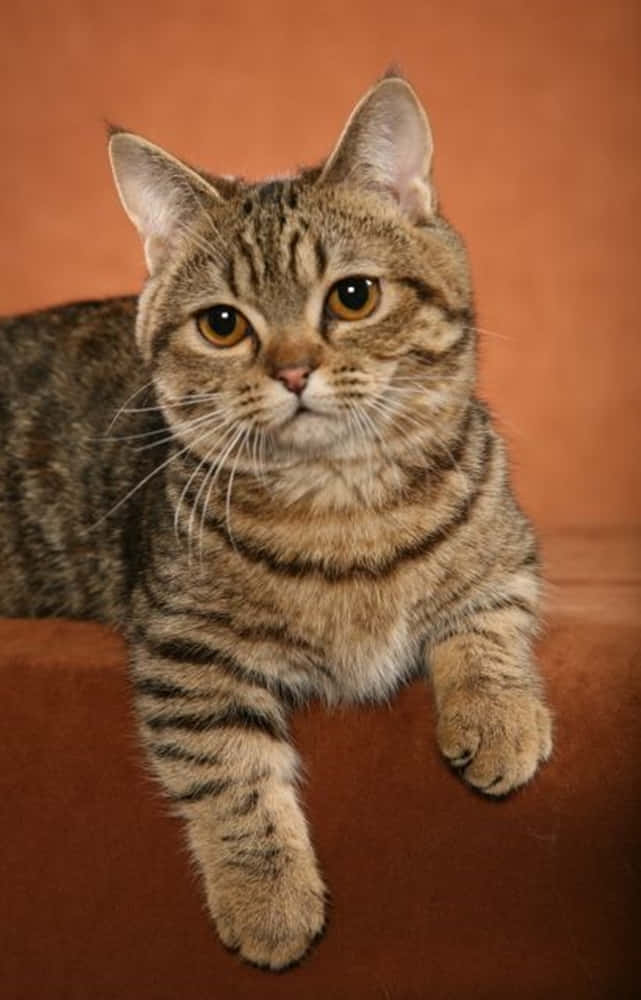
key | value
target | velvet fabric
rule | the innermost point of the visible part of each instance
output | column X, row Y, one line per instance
column 436, row 892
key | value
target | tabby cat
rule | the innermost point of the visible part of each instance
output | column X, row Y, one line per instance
column 273, row 473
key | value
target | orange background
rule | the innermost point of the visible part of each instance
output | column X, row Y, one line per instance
column 535, row 110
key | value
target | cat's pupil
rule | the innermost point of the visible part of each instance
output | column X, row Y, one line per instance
column 353, row 292
column 222, row 320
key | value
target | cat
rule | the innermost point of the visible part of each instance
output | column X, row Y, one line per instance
column 273, row 473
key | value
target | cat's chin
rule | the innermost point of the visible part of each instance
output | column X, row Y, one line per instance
column 309, row 431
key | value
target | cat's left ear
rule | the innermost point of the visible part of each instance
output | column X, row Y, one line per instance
column 387, row 147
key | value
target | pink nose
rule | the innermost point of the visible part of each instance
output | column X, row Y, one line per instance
column 295, row 379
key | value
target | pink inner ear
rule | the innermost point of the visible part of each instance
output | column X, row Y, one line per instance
column 408, row 150
column 393, row 148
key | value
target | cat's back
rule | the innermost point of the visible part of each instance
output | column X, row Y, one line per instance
column 74, row 343
column 64, row 373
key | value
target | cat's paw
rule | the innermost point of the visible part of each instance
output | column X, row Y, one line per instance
column 271, row 918
column 495, row 740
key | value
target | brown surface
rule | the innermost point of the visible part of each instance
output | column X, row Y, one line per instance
column 436, row 892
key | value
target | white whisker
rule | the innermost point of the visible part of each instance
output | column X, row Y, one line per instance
column 190, row 400
column 218, row 466
column 186, row 488
column 226, row 433
column 122, row 409
column 387, row 408
column 190, row 425
column 167, row 429
column 241, row 447
column 488, row 333
column 144, row 480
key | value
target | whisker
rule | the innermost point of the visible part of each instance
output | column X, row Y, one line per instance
column 226, row 433
column 403, row 382
column 256, row 457
column 167, row 429
column 488, row 333
column 370, row 423
column 241, row 448
column 181, row 428
column 219, row 466
column 191, row 400
column 122, row 409
column 144, row 480
column 262, row 449
column 386, row 407
column 351, row 405
column 198, row 240
column 186, row 488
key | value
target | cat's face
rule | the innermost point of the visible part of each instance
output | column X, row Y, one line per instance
column 326, row 314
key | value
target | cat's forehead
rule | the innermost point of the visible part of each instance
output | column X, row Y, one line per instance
column 274, row 241
column 284, row 217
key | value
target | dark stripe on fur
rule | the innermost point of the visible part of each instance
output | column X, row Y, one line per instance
column 450, row 354
column 186, row 651
column 426, row 293
column 456, row 632
column 230, row 276
column 207, row 789
column 248, row 254
column 502, row 603
column 248, row 805
column 417, row 550
column 156, row 687
column 430, row 474
column 168, row 751
column 236, row 717
column 161, row 339
column 251, row 633
column 321, row 258
column 293, row 244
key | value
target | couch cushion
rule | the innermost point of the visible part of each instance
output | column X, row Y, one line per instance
column 435, row 891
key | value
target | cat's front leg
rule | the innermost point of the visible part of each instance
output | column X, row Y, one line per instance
column 493, row 725
column 219, row 747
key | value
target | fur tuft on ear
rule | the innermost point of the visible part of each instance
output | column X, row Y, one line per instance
column 387, row 147
column 158, row 192
column 393, row 72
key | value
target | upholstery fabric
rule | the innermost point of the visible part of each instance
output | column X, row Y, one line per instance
column 436, row 891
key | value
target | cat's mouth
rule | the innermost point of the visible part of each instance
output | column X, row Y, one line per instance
column 302, row 409
column 307, row 426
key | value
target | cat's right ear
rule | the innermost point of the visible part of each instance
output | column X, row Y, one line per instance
column 386, row 147
column 158, row 192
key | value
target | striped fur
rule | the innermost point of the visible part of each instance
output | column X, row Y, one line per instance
column 258, row 555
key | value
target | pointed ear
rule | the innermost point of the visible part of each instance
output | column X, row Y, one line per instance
column 386, row 146
column 158, row 192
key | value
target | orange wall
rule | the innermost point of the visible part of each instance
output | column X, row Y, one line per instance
column 535, row 110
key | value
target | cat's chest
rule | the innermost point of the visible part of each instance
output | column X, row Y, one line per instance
column 363, row 633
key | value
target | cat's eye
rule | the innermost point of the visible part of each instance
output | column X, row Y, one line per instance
column 353, row 298
column 222, row 325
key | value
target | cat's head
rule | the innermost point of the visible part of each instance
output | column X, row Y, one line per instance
column 327, row 313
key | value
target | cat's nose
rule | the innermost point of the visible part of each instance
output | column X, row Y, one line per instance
column 295, row 379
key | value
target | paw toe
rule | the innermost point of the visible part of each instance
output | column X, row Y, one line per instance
column 497, row 746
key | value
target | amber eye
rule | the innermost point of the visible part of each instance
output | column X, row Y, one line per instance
column 223, row 326
column 353, row 298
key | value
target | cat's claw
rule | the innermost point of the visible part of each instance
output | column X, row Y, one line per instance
column 496, row 741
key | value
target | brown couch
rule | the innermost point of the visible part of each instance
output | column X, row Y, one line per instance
column 436, row 892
